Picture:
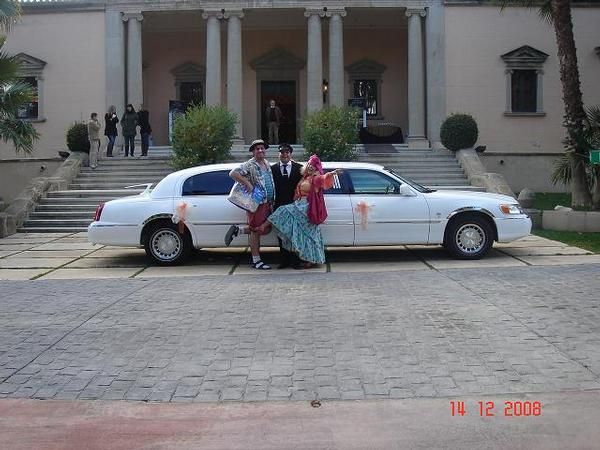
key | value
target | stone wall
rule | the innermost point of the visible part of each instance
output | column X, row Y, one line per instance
column 17, row 173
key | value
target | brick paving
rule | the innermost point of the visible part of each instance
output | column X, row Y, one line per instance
column 333, row 336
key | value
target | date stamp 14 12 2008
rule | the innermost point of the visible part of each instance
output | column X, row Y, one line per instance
column 490, row 409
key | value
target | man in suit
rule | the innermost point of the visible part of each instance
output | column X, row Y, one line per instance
column 286, row 175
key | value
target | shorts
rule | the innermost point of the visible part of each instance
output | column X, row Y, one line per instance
column 257, row 221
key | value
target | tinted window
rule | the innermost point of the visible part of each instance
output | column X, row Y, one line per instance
column 337, row 185
column 211, row 183
column 371, row 182
column 524, row 91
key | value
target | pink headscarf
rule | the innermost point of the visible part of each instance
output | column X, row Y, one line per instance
column 316, row 163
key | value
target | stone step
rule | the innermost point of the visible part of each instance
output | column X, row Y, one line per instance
column 55, row 223
column 94, row 193
column 105, row 185
column 58, row 207
column 65, row 214
column 456, row 188
column 443, row 182
column 56, row 229
column 124, row 173
column 428, row 170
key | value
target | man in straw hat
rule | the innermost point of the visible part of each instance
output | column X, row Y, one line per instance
column 255, row 172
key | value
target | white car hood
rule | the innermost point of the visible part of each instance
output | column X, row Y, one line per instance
column 449, row 194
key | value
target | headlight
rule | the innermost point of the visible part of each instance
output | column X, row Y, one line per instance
column 511, row 209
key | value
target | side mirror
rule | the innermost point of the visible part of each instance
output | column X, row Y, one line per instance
column 406, row 191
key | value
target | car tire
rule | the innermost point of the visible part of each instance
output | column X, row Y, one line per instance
column 469, row 237
column 166, row 246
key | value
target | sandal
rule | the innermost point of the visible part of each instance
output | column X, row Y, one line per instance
column 233, row 231
column 261, row 265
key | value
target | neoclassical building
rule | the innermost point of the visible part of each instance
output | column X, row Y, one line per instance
column 413, row 61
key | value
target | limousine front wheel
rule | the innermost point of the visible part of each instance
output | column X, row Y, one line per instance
column 165, row 245
column 469, row 237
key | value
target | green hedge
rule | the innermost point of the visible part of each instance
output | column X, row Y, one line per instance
column 459, row 131
column 204, row 134
column 332, row 134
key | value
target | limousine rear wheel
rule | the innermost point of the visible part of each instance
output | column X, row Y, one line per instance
column 165, row 245
column 469, row 237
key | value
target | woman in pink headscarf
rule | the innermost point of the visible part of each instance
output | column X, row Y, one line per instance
column 297, row 224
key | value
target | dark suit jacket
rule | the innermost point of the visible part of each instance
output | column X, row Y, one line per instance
column 285, row 187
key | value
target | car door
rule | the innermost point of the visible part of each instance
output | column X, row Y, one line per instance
column 338, row 229
column 209, row 214
column 383, row 216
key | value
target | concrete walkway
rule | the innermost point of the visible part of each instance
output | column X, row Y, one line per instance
column 71, row 256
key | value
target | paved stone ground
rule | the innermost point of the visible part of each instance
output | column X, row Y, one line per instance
column 71, row 256
column 397, row 334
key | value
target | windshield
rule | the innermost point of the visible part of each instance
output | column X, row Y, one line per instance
column 411, row 183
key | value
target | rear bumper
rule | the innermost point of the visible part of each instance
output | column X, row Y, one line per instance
column 114, row 234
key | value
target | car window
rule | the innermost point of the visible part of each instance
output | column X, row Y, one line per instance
column 210, row 183
column 366, row 181
column 337, row 185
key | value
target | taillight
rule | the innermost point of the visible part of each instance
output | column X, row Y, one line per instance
column 98, row 213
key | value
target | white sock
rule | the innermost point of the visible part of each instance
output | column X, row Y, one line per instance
column 255, row 259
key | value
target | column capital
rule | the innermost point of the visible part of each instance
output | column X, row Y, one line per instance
column 239, row 13
column 336, row 12
column 126, row 16
column 207, row 13
column 415, row 12
column 308, row 12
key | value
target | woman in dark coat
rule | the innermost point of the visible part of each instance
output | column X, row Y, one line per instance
column 129, row 122
column 110, row 128
column 145, row 129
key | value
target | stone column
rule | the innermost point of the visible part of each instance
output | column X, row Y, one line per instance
column 115, row 61
column 314, row 61
column 213, row 57
column 234, row 67
column 336, row 57
column 135, row 84
column 416, row 80
column 435, row 90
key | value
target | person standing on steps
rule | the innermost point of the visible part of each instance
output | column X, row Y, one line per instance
column 286, row 175
column 110, row 129
column 145, row 129
column 129, row 122
column 93, row 129
column 273, row 117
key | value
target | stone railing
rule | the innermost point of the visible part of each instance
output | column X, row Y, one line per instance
column 18, row 211
column 478, row 176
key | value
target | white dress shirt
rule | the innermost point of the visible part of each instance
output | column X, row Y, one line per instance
column 288, row 166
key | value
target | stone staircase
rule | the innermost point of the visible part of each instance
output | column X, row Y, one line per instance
column 73, row 210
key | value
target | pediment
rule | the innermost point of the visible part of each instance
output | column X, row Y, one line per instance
column 189, row 71
column 365, row 68
column 29, row 65
column 525, row 55
column 277, row 59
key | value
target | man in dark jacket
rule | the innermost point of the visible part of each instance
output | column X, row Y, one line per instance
column 286, row 175
column 273, row 116
column 143, row 117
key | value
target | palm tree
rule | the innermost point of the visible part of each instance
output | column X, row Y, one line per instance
column 558, row 12
column 13, row 93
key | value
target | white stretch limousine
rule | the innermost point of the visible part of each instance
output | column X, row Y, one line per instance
column 368, row 205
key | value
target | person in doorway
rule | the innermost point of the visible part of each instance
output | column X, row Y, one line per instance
column 273, row 117
column 93, row 128
column 110, row 129
column 286, row 175
column 255, row 172
column 295, row 224
column 145, row 129
column 129, row 122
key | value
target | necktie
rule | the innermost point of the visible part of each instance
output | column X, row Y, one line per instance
column 285, row 172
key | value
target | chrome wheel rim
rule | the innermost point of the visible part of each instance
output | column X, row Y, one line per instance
column 470, row 238
column 166, row 244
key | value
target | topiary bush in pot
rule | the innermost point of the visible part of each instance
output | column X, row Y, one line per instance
column 77, row 138
column 332, row 134
column 459, row 131
column 204, row 134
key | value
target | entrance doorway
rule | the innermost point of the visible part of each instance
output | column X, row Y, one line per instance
column 284, row 94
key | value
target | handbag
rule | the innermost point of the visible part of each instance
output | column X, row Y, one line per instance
column 245, row 199
column 317, row 211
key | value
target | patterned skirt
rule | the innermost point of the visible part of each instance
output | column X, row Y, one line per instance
column 297, row 233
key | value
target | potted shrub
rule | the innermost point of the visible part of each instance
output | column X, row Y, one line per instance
column 332, row 134
column 204, row 134
column 77, row 138
column 459, row 131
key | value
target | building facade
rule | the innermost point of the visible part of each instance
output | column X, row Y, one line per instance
column 415, row 62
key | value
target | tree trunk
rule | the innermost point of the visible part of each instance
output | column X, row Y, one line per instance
column 574, row 112
column 596, row 190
